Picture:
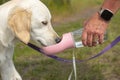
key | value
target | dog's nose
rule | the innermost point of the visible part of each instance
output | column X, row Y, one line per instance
column 57, row 40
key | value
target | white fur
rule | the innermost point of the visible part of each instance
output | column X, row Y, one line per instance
column 38, row 32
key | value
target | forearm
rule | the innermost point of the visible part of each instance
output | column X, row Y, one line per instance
column 113, row 5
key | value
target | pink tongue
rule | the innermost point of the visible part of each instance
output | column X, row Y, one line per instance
column 66, row 43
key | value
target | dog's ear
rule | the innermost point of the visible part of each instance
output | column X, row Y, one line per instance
column 20, row 21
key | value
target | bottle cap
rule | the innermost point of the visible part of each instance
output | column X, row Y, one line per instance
column 66, row 43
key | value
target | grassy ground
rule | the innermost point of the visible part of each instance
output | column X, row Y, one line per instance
column 61, row 12
column 35, row 66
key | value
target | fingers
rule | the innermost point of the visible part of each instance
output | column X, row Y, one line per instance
column 84, row 38
column 89, row 39
column 92, row 39
column 101, row 38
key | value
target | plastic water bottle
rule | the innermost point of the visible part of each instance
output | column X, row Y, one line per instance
column 69, row 40
column 77, row 37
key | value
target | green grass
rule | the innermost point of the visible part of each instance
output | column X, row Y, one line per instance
column 60, row 11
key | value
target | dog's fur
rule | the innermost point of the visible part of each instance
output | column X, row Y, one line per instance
column 22, row 20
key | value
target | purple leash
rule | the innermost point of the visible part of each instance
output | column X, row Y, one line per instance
column 112, row 44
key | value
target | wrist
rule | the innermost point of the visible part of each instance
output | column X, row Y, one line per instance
column 113, row 5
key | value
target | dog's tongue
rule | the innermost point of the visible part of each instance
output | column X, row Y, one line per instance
column 66, row 43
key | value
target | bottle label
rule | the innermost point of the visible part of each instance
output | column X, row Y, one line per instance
column 79, row 44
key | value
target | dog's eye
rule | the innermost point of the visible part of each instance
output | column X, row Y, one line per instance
column 44, row 22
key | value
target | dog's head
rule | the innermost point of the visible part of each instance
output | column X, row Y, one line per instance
column 34, row 23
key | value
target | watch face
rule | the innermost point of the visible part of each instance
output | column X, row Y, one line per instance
column 106, row 15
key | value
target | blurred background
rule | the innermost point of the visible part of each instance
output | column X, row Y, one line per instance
column 69, row 15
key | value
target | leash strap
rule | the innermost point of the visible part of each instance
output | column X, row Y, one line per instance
column 74, row 71
column 112, row 44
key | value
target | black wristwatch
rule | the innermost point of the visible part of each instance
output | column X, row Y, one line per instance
column 106, row 14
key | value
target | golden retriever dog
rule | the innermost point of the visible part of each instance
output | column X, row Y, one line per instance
column 22, row 20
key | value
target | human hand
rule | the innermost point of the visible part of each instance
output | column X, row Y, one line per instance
column 94, row 30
